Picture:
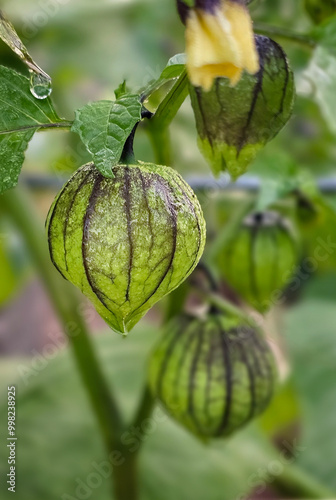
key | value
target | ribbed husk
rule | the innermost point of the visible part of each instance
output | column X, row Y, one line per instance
column 126, row 242
column 213, row 375
column 260, row 259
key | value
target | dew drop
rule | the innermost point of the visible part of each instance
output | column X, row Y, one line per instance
column 40, row 85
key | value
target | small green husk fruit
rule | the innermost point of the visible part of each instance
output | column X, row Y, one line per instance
column 259, row 260
column 213, row 374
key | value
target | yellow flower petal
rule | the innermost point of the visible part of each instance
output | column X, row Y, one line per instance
column 220, row 44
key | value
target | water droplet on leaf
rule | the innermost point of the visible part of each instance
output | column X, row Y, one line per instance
column 40, row 85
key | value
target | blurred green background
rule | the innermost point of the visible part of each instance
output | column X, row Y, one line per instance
column 89, row 48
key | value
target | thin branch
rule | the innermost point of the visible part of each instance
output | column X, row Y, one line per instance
column 145, row 407
column 284, row 33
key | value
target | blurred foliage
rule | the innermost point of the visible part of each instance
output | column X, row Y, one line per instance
column 7, row 274
column 56, row 426
column 312, row 346
column 319, row 10
column 89, row 48
column 318, row 231
column 60, row 432
column 15, row 269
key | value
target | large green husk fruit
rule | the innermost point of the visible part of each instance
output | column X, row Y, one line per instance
column 213, row 375
column 235, row 122
column 126, row 242
column 259, row 259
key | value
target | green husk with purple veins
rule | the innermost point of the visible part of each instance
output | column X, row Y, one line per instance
column 126, row 242
column 212, row 374
column 260, row 258
column 234, row 123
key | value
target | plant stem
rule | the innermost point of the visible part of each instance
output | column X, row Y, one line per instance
column 230, row 229
column 127, row 156
column 125, row 477
column 67, row 305
column 219, row 303
column 160, row 140
column 205, row 269
column 145, row 407
column 64, row 125
column 40, row 128
column 171, row 103
column 295, row 482
column 157, row 126
column 284, row 33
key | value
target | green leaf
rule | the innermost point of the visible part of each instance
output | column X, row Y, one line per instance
column 121, row 90
column 104, row 127
column 175, row 66
column 235, row 122
column 12, row 155
column 21, row 115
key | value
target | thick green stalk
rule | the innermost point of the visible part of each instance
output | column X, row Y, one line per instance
column 64, row 298
column 171, row 103
column 126, row 475
column 221, row 304
column 294, row 482
column 160, row 140
column 158, row 125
